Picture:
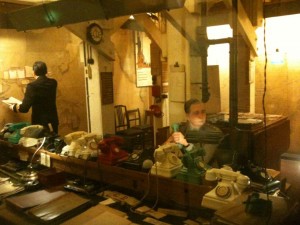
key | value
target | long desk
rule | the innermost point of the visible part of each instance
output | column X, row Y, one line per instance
column 168, row 190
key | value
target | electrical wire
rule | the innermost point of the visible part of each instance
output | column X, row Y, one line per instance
column 43, row 142
column 147, row 192
column 264, row 110
column 263, row 105
column 133, row 208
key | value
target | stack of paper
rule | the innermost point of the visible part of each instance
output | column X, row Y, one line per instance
column 7, row 188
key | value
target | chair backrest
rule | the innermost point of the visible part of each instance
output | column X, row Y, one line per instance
column 121, row 119
column 134, row 117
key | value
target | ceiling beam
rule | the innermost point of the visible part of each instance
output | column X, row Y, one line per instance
column 282, row 8
column 64, row 12
column 245, row 27
column 150, row 29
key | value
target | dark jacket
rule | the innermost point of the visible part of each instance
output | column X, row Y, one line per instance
column 41, row 96
column 207, row 134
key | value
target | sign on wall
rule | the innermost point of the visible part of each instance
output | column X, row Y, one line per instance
column 143, row 77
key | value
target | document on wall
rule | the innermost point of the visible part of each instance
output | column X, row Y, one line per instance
column 11, row 100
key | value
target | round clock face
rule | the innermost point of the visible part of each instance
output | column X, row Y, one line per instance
column 94, row 33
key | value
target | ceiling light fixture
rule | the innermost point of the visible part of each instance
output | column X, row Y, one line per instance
column 132, row 24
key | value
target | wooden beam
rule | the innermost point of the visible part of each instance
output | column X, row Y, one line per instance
column 150, row 29
column 245, row 27
column 185, row 24
column 282, row 8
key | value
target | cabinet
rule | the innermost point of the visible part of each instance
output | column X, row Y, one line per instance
column 262, row 145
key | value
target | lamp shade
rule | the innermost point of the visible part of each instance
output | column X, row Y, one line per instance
column 132, row 24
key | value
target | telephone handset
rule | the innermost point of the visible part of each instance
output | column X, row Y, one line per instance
column 230, row 185
column 72, row 143
column 73, row 136
column 30, row 135
column 167, row 160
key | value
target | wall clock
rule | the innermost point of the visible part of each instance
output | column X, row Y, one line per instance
column 94, row 33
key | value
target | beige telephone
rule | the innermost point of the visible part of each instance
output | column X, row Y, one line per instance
column 88, row 146
column 81, row 144
column 231, row 184
column 73, row 143
column 167, row 162
column 30, row 135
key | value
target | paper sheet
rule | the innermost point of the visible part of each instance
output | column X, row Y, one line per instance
column 11, row 100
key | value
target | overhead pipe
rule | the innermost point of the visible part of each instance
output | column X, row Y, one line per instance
column 202, row 41
column 233, row 87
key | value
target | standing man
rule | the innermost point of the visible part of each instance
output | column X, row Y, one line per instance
column 41, row 96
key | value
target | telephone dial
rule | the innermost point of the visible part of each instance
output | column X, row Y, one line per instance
column 167, row 162
column 141, row 160
column 230, row 185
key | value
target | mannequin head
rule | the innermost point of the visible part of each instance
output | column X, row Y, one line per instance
column 195, row 113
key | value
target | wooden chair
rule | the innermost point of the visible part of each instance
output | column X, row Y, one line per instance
column 135, row 121
column 134, row 137
column 134, row 117
column 121, row 120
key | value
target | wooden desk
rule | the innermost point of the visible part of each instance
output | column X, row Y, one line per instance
column 252, row 142
column 235, row 214
column 170, row 191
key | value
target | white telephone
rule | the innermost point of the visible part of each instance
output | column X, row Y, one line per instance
column 167, row 160
column 231, row 184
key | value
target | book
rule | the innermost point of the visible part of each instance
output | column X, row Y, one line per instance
column 36, row 198
column 60, row 208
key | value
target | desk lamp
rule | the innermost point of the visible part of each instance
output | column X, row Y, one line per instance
column 30, row 178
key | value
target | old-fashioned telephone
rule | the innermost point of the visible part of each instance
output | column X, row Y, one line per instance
column 230, row 185
column 81, row 144
column 156, row 111
column 110, row 151
column 141, row 160
column 30, row 135
column 167, row 162
column 72, row 143
column 11, row 131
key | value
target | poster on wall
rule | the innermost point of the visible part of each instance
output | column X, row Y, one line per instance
column 143, row 77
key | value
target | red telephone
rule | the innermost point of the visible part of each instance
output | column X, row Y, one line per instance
column 156, row 111
column 111, row 153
